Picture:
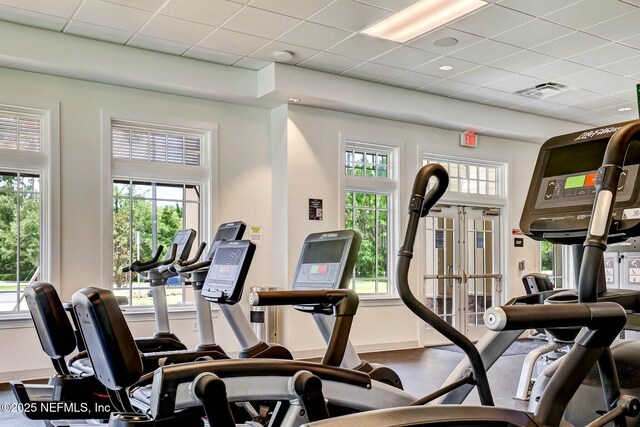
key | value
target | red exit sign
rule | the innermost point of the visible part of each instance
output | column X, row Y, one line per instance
column 469, row 139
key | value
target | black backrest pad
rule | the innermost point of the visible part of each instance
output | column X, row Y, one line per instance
column 111, row 346
column 50, row 319
column 184, row 239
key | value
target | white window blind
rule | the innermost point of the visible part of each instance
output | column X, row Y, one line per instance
column 148, row 144
column 20, row 131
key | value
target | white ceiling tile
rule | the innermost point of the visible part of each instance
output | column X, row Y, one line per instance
column 251, row 64
column 261, row 23
column 149, row 5
column 522, row 61
column 209, row 12
column 59, row 8
column 589, row 12
column 537, row 106
column 112, row 15
column 299, row 53
column 537, row 7
column 233, row 42
column 426, row 42
column 410, row 80
column 629, row 94
column 349, row 15
column 371, row 71
column 591, row 117
column 295, row 8
column 491, row 20
column 533, row 33
column 330, row 62
column 97, row 32
column 479, row 94
column 571, row 44
column 574, row 97
column 209, row 55
column 432, row 68
column 565, row 112
column 623, row 104
column 313, row 35
column 485, row 51
column 405, row 57
column 32, row 19
column 632, row 41
column 599, row 81
column 481, row 75
column 395, row 5
column 445, row 87
column 604, row 55
column 619, row 28
column 601, row 103
column 513, row 83
column 241, row 1
column 628, row 67
column 556, row 70
column 176, row 30
column 509, row 100
column 158, row 45
column 363, row 47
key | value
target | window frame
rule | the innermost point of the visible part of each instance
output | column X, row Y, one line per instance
column 46, row 163
column 390, row 185
column 499, row 200
column 204, row 176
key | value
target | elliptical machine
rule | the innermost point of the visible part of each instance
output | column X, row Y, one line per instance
column 603, row 321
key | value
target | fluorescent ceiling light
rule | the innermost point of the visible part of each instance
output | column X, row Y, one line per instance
column 421, row 17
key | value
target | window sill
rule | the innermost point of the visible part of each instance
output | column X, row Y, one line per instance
column 16, row 321
column 146, row 314
column 379, row 301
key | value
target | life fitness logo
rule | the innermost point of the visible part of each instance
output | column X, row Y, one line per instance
column 329, row 235
column 597, row 132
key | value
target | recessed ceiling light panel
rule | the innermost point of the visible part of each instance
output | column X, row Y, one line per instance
column 624, row 109
column 421, row 17
column 445, row 68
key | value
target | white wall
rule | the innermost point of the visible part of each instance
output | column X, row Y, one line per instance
column 244, row 172
column 314, row 168
column 270, row 163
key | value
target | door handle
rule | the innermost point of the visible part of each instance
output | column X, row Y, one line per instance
column 497, row 277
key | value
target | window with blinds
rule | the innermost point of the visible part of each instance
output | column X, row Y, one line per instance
column 20, row 131
column 157, row 145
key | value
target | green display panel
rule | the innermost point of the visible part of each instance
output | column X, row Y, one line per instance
column 575, row 181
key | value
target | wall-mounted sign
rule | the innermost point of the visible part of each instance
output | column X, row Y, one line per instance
column 315, row 209
column 469, row 139
column 518, row 242
column 516, row 232
column 439, row 239
column 256, row 234
column 480, row 240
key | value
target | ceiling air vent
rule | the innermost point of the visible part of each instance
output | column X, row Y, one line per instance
column 543, row 90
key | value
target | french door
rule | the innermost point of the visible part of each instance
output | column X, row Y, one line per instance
column 463, row 275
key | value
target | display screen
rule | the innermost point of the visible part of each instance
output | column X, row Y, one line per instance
column 326, row 251
column 228, row 256
column 567, row 159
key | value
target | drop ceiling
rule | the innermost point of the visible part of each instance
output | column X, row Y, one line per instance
column 590, row 46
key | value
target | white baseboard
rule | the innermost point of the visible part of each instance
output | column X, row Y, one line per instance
column 28, row 374
column 367, row 348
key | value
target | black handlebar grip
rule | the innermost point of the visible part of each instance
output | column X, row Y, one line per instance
column 307, row 297
column 592, row 316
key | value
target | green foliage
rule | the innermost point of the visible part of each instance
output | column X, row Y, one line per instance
column 27, row 205
column 546, row 256
column 360, row 215
column 137, row 234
